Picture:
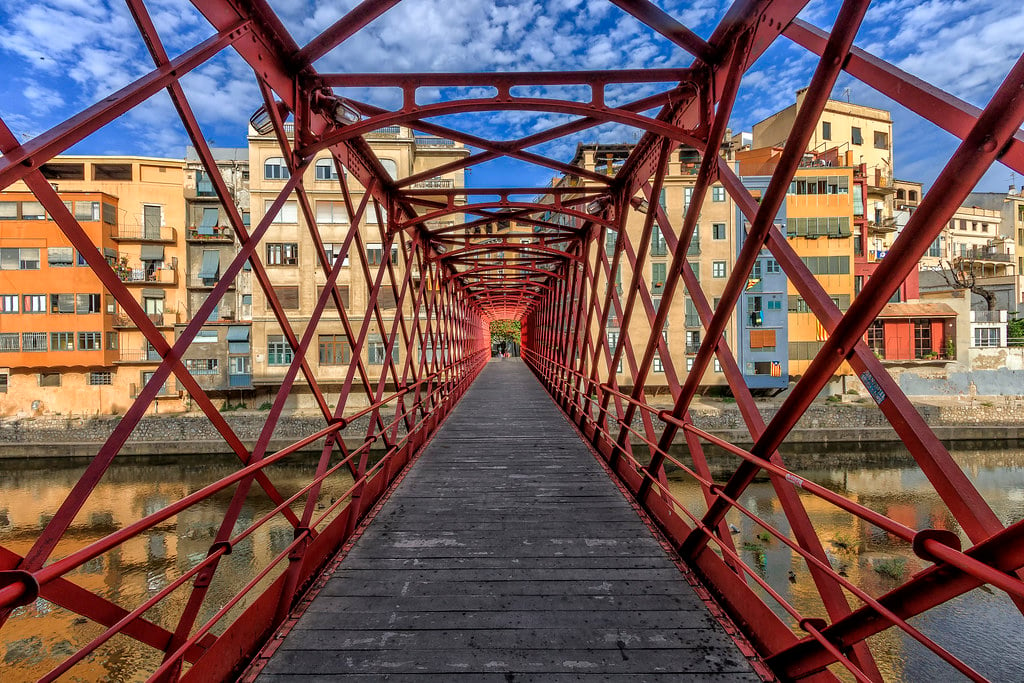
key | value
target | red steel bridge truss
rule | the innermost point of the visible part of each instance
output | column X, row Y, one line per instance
column 449, row 283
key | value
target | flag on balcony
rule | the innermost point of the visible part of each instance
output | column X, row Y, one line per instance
column 752, row 282
column 776, row 369
column 821, row 334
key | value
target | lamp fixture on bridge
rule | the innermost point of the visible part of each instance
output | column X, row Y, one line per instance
column 263, row 122
column 338, row 109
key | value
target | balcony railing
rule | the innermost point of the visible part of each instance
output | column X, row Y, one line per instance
column 885, row 225
column 210, row 283
column 139, row 233
column 385, row 132
column 435, row 184
column 220, row 234
column 429, row 141
column 988, row 316
column 158, row 319
column 986, row 254
column 140, row 276
column 240, row 380
column 138, row 356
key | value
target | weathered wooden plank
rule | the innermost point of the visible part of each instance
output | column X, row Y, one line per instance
column 507, row 554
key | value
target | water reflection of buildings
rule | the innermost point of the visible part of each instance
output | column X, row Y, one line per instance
column 41, row 635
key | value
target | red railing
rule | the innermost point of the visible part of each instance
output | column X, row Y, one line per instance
column 537, row 255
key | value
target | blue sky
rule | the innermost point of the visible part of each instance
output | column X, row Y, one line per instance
column 62, row 55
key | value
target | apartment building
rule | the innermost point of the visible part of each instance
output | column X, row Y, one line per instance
column 819, row 224
column 221, row 360
column 1011, row 210
column 711, row 254
column 83, row 354
column 289, row 255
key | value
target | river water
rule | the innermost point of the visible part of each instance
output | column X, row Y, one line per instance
column 982, row 627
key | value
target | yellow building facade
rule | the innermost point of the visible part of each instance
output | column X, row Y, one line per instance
column 289, row 255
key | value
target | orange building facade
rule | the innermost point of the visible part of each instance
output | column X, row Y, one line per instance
column 66, row 347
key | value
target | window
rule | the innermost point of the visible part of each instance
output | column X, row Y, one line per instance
column 881, row 140
column 8, row 211
column 718, row 231
column 826, row 130
column 8, row 303
column 33, row 303
column 4, row 380
column 762, row 340
column 718, row 366
column 657, row 366
column 325, row 170
column 334, row 349
column 922, row 338
column 62, row 303
column 333, row 251
column 202, row 366
column 814, row 185
column 855, row 136
column 274, row 168
column 718, row 269
column 112, row 340
column 820, row 226
column 827, row 265
column 282, row 254
column 687, row 196
column 9, row 341
column 718, row 193
column 772, row 266
column 60, row 257
column 153, row 305
column 87, row 211
column 289, row 212
column 288, row 296
column 609, row 241
column 692, row 341
column 87, row 303
column 391, row 167
column 658, row 245
column 19, row 259
column 376, row 355
column 876, row 338
column 658, row 276
column 279, row 352
column 689, row 364
column 49, row 379
column 374, row 253
column 90, row 341
column 986, row 336
column 370, row 214
column 100, row 378
column 331, row 213
column 33, row 341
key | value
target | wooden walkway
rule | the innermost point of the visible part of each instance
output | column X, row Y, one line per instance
column 507, row 554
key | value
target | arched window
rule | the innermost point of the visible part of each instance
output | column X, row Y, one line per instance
column 913, row 195
column 391, row 167
column 900, row 194
column 325, row 170
column 274, row 168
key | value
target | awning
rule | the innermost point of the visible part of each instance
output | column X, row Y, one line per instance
column 152, row 252
column 109, row 253
column 210, row 270
column 917, row 310
column 209, row 221
column 153, row 294
column 238, row 333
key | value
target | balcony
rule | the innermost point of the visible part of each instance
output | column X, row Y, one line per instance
column 886, row 225
column 168, row 390
column 429, row 141
column 123, row 322
column 985, row 254
column 435, row 184
column 205, row 283
column 138, row 233
column 128, row 356
column 219, row 234
column 241, row 381
column 141, row 276
column 386, row 132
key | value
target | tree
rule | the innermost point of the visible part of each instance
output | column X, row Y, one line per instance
column 961, row 275
column 505, row 331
